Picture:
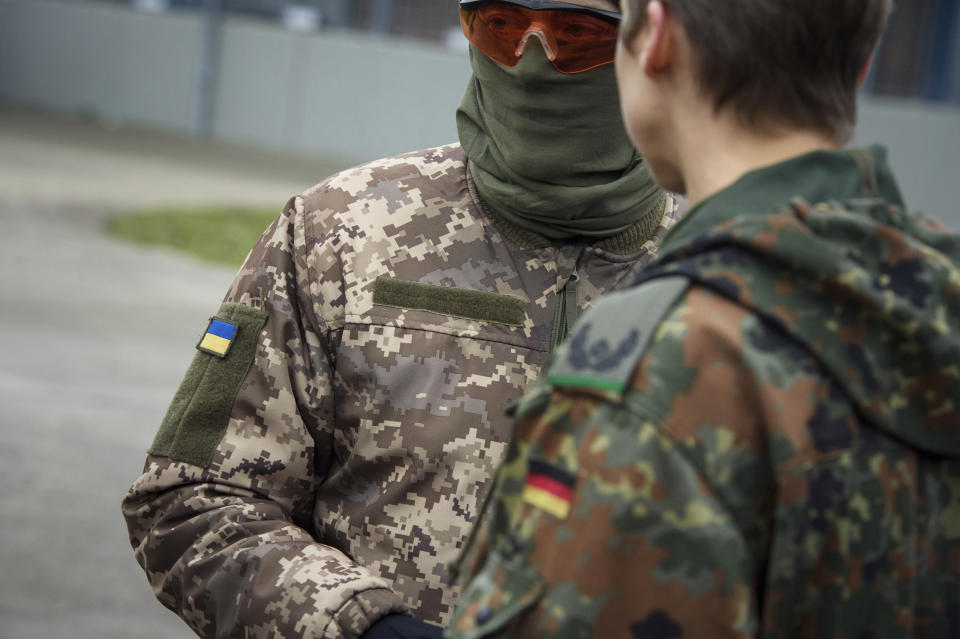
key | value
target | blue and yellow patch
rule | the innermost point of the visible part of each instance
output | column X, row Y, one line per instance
column 218, row 337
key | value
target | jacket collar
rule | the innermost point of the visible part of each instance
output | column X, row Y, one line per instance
column 819, row 176
column 626, row 242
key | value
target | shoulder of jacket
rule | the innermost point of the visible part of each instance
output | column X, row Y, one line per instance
column 371, row 193
column 613, row 335
column 439, row 165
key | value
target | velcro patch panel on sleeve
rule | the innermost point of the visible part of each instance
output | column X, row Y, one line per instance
column 198, row 415
column 613, row 335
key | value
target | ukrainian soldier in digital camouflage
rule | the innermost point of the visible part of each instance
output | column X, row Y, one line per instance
column 331, row 443
column 760, row 435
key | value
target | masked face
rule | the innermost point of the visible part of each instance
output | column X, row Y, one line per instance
column 574, row 40
column 548, row 150
column 542, row 123
column 551, row 126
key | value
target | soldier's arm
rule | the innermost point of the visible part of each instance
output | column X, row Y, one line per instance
column 221, row 519
column 642, row 546
column 629, row 513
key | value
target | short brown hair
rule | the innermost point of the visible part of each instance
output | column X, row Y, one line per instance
column 794, row 62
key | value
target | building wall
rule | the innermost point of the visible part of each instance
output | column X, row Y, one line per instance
column 99, row 59
column 350, row 94
column 923, row 141
column 346, row 94
column 354, row 95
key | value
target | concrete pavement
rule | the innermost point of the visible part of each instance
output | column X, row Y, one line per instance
column 95, row 335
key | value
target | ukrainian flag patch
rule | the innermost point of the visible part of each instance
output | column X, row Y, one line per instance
column 218, row 337
column 549, row 488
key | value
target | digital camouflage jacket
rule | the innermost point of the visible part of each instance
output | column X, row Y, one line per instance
column 325, row 455
column 774, row 454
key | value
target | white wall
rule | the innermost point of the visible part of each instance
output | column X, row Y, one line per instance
column 923, row 140
column 349, row 95
column 352, row 95
column 100, row 59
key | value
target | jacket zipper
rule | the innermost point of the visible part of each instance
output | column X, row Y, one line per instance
column 566, row 312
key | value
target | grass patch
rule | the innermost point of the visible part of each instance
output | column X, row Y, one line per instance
column 213, row 234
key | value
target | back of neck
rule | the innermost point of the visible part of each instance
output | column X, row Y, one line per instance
column 720, row 151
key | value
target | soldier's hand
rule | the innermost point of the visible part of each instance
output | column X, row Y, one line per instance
column 402, row 627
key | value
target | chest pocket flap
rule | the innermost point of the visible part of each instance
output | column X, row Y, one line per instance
column 481, row 306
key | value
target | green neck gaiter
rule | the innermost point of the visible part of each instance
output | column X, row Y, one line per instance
column 548, row 151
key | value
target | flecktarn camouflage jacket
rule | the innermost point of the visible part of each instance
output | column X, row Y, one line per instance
column 776, row 453
column 325, row 455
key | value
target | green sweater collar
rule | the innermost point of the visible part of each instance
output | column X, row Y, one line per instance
column 628, row 241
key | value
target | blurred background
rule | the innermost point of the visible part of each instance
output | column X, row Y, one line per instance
column 128, row 127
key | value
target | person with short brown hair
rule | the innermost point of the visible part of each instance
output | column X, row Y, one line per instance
column 759, row 435
column 777, row 63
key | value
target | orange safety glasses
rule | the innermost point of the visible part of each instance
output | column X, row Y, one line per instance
column 575, row 38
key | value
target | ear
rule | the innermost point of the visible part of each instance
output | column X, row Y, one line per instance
column 658, row 49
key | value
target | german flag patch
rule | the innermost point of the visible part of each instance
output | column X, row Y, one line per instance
column 549, row 488
column 218, row 337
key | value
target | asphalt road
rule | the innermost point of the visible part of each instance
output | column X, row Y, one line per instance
column 95, row 335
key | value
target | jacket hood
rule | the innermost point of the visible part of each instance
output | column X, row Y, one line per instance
column 821, row 247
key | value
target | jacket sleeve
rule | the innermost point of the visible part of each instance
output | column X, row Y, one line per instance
column 640, row 547
column 616, row 511
column 221, row 519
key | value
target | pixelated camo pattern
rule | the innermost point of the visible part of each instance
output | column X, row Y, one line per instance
column 785, row 461
column 363, row 436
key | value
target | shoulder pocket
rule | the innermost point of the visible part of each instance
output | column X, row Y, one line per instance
column 613, row 335
column 480, row 306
